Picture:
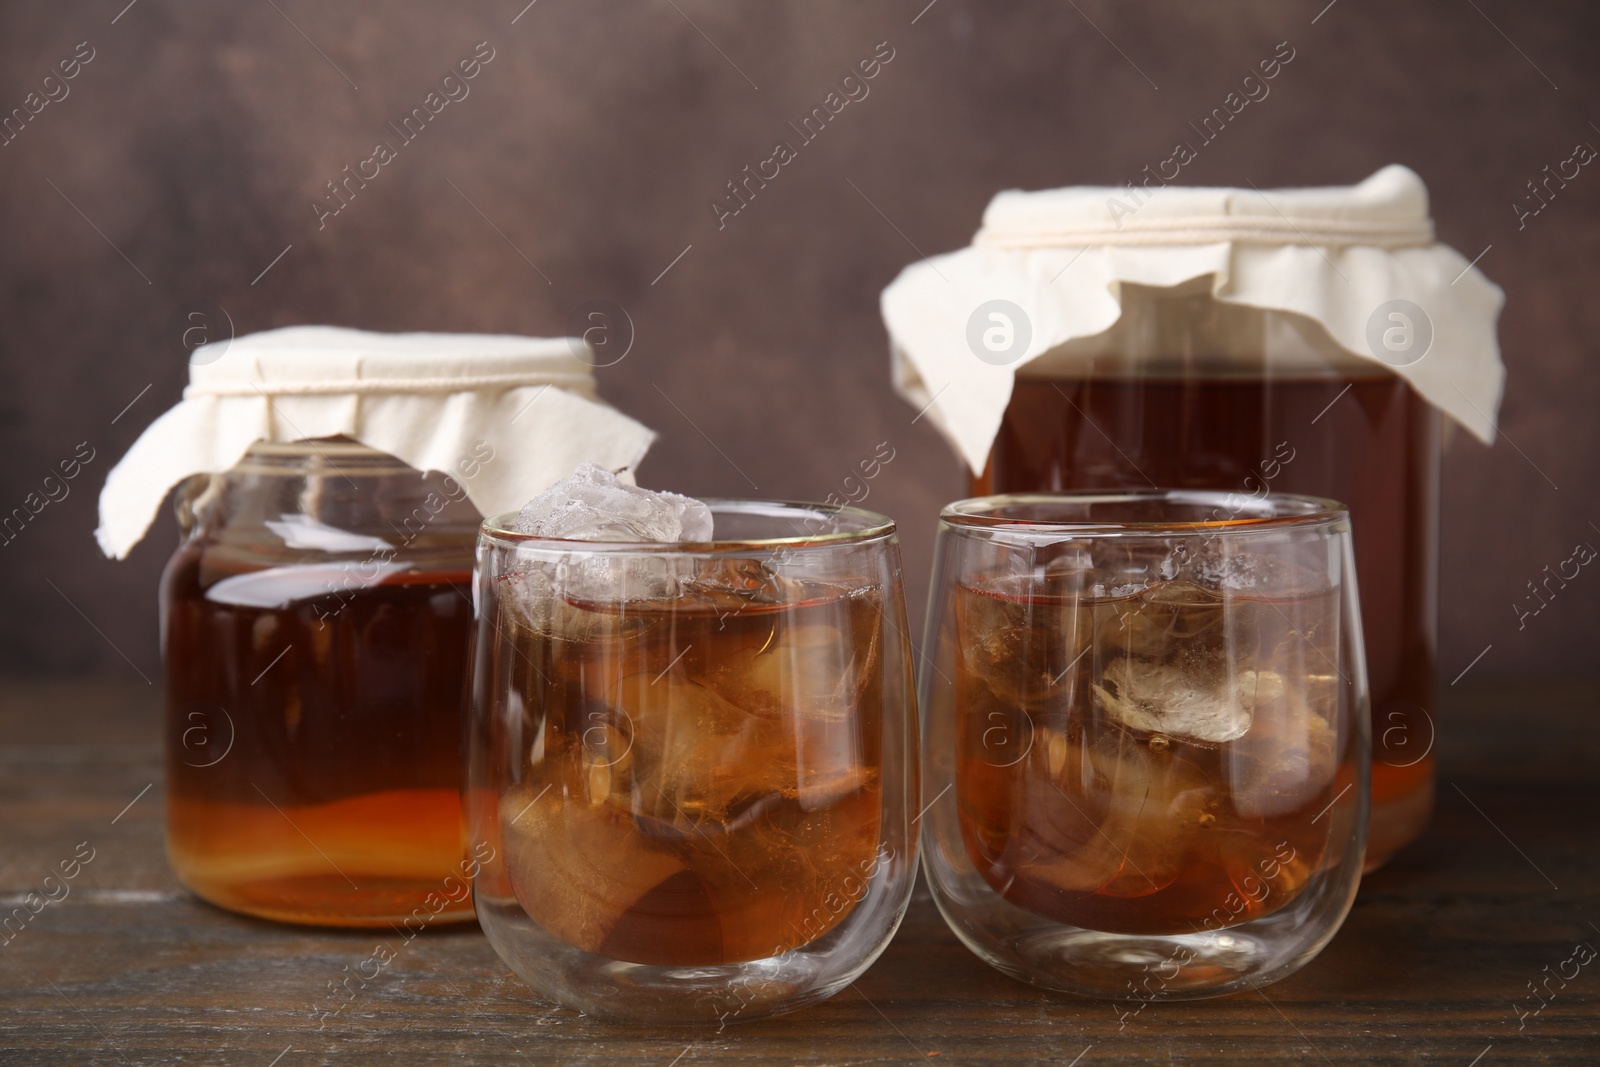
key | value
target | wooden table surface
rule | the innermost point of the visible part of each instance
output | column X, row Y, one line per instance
column 1432, row 966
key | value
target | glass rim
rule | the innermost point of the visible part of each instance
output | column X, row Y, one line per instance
column 873, row 527
column 1287, row 510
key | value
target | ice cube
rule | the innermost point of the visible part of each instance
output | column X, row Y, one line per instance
column 578, row 869
column 1162, row 619
column 558, row 598
column 1157, row 807
column 1286, row 762
column 593, row 504
column 1228, row 570
column 596, row 504
column 1077, row 576
column 736, row 584
column 809, row 670
column 630, row 887
column 1019, row 646
column 697, row 757
column 1120, row 823
column 1159, row 699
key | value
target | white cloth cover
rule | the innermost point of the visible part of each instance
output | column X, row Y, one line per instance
column 1334, row 255
column 434, row 400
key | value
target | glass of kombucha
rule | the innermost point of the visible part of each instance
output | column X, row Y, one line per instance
column 692, row 768
column 315, row 625
column 1146, row 736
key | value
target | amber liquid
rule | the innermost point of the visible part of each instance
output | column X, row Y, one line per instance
column 699, row 778
column 313, row 739
column 1160, row 762
column 1369, row 442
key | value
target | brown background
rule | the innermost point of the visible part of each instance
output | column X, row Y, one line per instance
column 198, row 136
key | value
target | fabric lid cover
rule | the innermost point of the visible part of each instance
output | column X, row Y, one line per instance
column 431, row 399
column 1334, row 255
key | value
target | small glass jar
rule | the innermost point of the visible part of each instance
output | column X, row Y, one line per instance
column 315, row 621
column 1186, row 391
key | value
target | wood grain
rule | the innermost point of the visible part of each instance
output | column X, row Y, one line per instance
column 129, row 968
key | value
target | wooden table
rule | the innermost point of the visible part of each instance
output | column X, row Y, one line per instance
column 1430, row 967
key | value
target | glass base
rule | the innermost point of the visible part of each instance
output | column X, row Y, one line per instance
column 1143, row 968
column 699, row 996
column 1174, row 967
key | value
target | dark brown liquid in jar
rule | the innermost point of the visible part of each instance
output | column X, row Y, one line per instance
column 1368, row 441
column 313, row 737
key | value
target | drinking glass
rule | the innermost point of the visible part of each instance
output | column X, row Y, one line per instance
column 692, row 768
column 1146, row 737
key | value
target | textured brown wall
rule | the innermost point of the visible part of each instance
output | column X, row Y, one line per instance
column 199, row 134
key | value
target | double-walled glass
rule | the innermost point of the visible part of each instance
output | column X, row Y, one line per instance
column 692, row 768
column 1146, row 737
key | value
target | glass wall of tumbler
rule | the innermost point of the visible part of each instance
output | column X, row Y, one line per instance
column 692, row 767
column 1146, row 737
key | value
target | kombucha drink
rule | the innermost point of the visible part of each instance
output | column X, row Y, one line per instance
column 1365, row 439
column 1155, row 760
column 699, row 775
column 314, row 724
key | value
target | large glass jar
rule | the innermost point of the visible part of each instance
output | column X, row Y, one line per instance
column 315, row 621
column 1189, row 392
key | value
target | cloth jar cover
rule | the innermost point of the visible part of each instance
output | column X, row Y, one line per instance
column 1333, row 255
column 519, row 412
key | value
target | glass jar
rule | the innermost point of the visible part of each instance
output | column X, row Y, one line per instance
column 315, row 621
column 1186, row 391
